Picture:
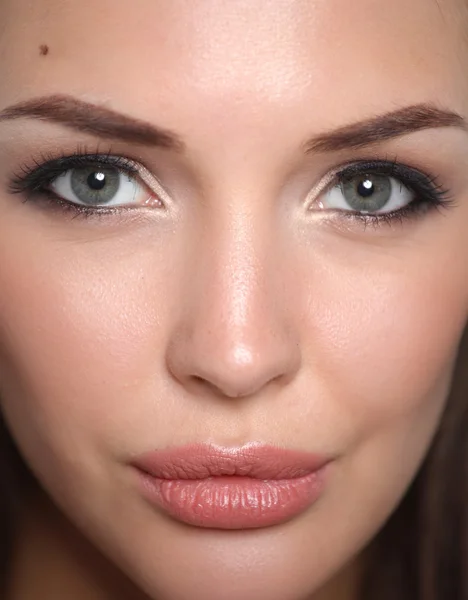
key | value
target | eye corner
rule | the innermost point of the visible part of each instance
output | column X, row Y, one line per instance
column 406, row 192
column 129, row 182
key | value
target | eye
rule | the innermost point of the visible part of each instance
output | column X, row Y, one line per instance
column 99, row 186
column 368, row 193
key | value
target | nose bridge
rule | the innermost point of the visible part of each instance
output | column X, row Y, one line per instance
column 238, row 277
column 235, row 336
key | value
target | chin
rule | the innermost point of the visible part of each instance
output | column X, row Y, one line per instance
column 168, row 560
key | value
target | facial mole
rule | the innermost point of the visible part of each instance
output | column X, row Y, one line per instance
column 43, row 49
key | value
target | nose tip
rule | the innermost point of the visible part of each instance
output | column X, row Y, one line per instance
column 230, row 369
column 240, row 372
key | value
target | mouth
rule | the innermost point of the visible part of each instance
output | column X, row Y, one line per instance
column 231, row 488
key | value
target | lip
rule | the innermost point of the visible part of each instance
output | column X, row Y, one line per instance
column 231, row 488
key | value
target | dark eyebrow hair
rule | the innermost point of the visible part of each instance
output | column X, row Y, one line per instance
column 108, row 124
column 383, row 127
column 94, row 119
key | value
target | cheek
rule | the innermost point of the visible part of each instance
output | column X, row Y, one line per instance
column 83, row 328
column 388, row 321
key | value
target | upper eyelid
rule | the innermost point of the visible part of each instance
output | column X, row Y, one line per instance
column 363, row 166
column 332, row 177
column 392, row 168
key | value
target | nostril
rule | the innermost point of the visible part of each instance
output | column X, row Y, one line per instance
column 217, row 388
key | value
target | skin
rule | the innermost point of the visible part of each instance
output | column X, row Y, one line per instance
column 236, row 315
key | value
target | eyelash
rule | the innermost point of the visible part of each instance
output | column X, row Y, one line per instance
column 33, row 181
column 429, row 193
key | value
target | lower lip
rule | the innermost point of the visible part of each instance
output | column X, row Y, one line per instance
column 233, row 502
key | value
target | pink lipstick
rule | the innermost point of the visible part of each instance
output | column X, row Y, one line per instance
column 231, row 488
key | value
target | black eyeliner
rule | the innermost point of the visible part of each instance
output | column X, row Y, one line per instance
column 428, row 192
column 35, row 180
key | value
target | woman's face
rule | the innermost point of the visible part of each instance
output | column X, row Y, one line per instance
column 288, row 268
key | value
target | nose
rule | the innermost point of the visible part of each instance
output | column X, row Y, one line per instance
column 236, row 336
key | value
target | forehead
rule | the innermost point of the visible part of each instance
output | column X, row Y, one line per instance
column 329, row 57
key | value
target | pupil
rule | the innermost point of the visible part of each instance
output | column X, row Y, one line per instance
column 97, row 181
column 365, row 188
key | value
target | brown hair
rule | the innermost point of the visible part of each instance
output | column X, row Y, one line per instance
column 13, row 472
column 422, row 551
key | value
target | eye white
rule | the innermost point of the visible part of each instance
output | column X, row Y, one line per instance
column 130, row 191
column 400, row 197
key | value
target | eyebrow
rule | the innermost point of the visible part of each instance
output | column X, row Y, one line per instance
column 384, row 127
column 93, row 119
column 106, row 123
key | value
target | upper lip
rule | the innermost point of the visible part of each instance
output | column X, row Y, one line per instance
column 200, row 461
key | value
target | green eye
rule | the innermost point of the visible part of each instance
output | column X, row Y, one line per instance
column 368, row 193
column 99, row 186
column 95, row 186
